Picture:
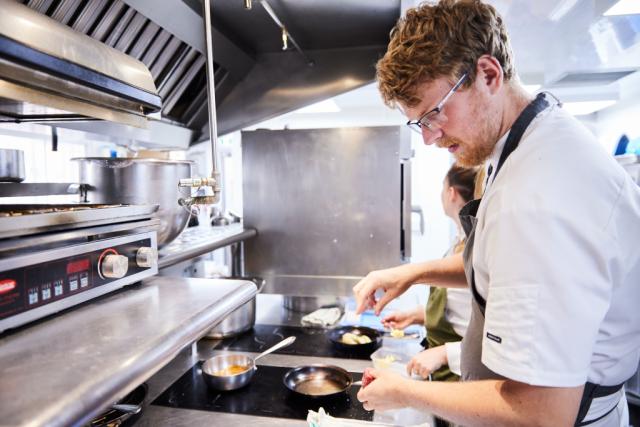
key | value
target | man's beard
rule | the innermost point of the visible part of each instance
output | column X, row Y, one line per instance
column 470, row 154
column 476, row 152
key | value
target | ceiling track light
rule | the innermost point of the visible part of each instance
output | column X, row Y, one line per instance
column 624, row 7
column 562, row 8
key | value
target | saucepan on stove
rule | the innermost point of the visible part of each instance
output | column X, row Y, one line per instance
column 355, row 339
column 318, row 381
column 233, row 371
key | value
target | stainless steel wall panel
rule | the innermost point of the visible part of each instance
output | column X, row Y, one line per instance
column 325, row 202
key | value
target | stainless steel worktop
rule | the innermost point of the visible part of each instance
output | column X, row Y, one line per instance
column 66, row 369
column 195, row 241
column 270, row 310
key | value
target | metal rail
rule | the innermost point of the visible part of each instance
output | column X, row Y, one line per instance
column 211, row 97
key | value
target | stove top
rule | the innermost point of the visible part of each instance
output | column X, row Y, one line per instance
column 265, row 395
column 309, row 342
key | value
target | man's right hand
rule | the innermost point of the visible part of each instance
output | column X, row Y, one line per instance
column 394, row 281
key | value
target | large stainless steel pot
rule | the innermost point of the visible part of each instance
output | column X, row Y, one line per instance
column 139, row 182
column 11, row 165
column 242, row 318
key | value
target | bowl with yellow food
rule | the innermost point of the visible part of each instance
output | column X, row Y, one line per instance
column 358, row 340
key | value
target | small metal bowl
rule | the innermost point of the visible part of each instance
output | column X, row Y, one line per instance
column 228, row 382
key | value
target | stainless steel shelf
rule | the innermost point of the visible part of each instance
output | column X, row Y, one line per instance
column 93, row 355
column 196, row 241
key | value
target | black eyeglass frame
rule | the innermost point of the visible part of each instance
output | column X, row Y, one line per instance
column 416, row 125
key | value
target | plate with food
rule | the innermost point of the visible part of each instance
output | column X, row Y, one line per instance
column 360, row 339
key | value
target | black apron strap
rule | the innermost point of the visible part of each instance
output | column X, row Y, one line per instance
column 519, row 127
column 592, row 391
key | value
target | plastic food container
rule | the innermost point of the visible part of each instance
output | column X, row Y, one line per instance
column 386, row 358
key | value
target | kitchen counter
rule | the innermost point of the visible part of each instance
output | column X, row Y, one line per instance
column 270, row 310
column 68, row 368
column 196, row 241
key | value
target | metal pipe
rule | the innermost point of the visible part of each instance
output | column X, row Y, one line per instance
column 275, row 18
column 211, row 98
column 247, row 4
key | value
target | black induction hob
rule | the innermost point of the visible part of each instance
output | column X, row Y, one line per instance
column 265, row 396
column 309, row 342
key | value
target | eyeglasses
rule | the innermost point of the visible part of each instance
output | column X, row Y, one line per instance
column 432, row 119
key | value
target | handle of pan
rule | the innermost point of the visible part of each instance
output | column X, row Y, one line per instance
column 285, row 342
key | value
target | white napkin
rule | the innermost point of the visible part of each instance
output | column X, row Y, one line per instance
column 322, row 317
column 322, row 419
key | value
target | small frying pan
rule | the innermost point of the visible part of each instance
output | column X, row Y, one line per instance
column 335, row 336
column 318, row 381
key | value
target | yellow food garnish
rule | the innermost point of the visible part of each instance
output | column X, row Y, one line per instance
column 385, row 362
column 353, row 339
column 397, row 333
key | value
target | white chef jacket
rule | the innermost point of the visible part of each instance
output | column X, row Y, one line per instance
column 556, row 257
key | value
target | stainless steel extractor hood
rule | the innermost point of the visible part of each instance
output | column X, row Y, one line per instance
column 255, row 79
column 50, row 72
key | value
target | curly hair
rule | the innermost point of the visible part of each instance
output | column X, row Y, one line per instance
column 441, row 40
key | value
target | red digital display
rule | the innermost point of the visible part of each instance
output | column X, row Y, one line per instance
column 7, row 285
column 77, row 266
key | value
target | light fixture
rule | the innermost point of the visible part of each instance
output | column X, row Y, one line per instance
column 326, row 106
column 624, row 7
column 562, row 8
column 582, row 108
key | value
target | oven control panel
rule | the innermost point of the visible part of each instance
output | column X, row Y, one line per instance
column 51, row 281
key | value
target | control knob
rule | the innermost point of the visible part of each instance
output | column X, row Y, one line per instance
column 146, row 257
column 114, row 266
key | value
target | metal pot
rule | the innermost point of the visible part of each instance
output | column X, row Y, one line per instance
column 11, row 165
column 211, row 368
column 242, row 318
column 135, row 181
